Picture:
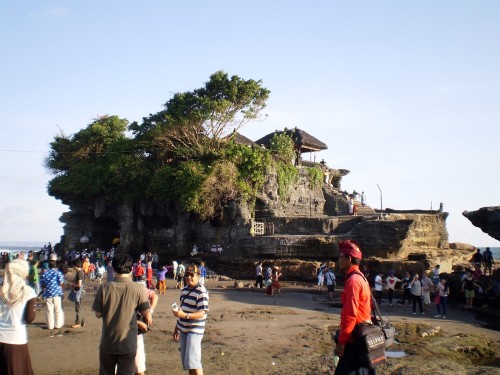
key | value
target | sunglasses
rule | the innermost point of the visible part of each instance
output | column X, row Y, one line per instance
column 191, row 274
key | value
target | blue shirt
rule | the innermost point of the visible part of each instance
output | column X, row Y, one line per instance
column 51, row 282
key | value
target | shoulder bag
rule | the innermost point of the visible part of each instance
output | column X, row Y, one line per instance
column 372, row 338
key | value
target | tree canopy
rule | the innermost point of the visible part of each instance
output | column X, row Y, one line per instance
column 185, row 152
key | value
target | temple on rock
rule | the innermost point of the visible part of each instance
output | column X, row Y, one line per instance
column 306, row 224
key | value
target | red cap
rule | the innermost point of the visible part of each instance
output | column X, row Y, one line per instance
column 350, row 248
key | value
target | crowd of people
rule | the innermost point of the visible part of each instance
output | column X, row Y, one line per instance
column 125, row 303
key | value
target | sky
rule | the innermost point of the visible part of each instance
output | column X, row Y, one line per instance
column 406, row 94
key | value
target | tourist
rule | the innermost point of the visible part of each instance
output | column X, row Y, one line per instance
column 416, row 294
column 110, row 273
column 350, row 205
column 427, row 287
column 180, row 276
column 320, row 272
column 268, row 281
column 92, row 269
column 477, row 258
column 435, row 274
column 488, row 261
column 468, row 287
column 330, row 282
column 259, row 277
column 190, row 326
column 379, row 287
column 17, row 307
column 406, row 289
column 356, row 308
column 139, row 272
column 442, row 292
column 203, row 273
column 363, row 199
column 161, row 278
column 155, row 260
column 34, row 277
column 86, row 266
column 391, row 285
column 477, row 273
column 149, row 275
column 140, row 356
column 100, row 271
column 116, row 303
column 174, row 268
column 77, row 286
column 275, row 281
column 51, row 283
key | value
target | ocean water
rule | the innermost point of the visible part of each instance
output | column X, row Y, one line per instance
column 494, row 250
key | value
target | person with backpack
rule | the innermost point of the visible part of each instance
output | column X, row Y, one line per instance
column 488, row 261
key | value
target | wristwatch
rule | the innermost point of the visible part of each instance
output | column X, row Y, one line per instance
column 187, row 316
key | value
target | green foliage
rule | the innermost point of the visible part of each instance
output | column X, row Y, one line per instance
column 184, row 152
column 196, row 123
column 315, row 177
column 82, row 163
column 287, row 175
column 253, row 164
column 283, row 146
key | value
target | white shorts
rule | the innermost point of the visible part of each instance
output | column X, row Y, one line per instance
column 321, row 280
column 140, row 356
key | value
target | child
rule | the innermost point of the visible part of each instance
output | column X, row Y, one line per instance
column 162, row 282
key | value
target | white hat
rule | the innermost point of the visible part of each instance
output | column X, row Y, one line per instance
column 53, row 256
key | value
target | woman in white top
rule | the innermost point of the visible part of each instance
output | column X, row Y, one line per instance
column 416, row 294
column 17, row 307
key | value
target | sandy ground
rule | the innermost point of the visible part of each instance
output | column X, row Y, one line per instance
column 247, row 333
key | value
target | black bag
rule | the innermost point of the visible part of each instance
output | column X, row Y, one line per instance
column 384, row 323
column 75, row 295
column 369, row 340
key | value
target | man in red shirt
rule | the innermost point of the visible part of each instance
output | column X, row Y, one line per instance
column 356, row 308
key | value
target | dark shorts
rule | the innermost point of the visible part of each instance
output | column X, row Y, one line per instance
column 331, row 288
column 125, row 363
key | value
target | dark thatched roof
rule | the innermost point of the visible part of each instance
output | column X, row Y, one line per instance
column 305, row 141
column 241, row 139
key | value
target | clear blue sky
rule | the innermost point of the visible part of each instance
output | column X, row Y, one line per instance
column 406, row 94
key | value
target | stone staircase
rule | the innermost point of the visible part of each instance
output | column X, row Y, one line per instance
column 364, row 210
column 346, row 223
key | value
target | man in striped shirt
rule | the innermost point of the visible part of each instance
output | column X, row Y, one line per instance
column 192, row 316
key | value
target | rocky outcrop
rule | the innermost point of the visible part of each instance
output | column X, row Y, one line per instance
column 487, row 219
column 305, row 225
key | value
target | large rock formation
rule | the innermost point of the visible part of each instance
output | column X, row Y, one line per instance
column 487, row 219
column 306, row 225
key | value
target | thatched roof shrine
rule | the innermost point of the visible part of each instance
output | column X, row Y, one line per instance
column 304, row 142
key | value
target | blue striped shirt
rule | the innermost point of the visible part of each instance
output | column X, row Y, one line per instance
column 193, row 300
